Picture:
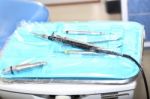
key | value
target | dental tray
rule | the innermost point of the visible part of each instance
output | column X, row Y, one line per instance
column 122, row 37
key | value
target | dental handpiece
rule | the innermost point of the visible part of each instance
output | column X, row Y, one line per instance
column 78, row 44
column 21, row 67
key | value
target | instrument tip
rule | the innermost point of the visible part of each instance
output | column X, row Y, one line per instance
column 6, row 71
column 40, row 35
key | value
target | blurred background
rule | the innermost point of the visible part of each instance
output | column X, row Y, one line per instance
column 83, row 11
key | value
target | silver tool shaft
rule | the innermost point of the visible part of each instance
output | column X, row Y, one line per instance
column 20, row 67
column 77, row 32
column 80, row 52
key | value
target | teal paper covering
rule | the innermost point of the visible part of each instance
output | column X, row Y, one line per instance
column 23, row 46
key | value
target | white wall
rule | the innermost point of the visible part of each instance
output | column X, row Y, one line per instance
column 81, row 12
